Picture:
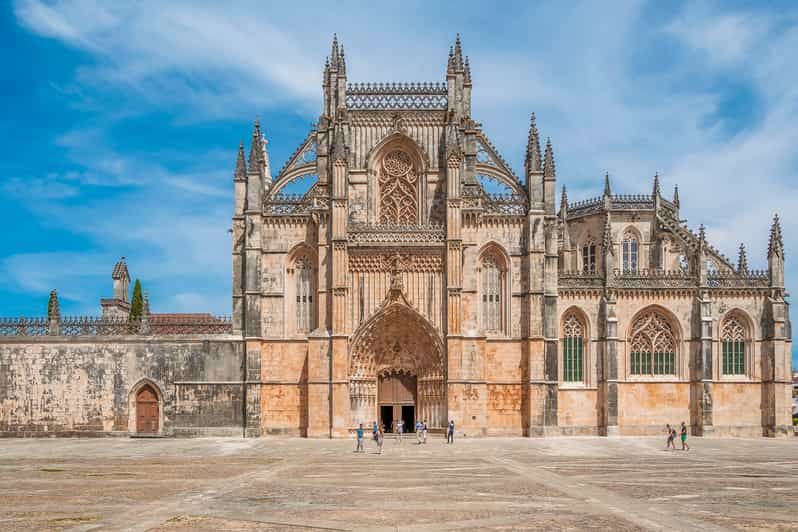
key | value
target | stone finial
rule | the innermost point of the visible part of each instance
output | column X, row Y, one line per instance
column 467, row 79
column 676, row 195
column 548, row 161
column 702, row 236
column 656, row 191
column 564, row 201
column 775, row 242
column 458, row 53
column 450, row 65
column 334, row 54
column 256, row 149
column 241, row 165
column 742, row 260
column 533, row 160
column 607, row 189
column 342, row 62
column 53, row 307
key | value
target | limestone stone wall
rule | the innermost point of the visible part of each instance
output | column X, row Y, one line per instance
column 86, row 386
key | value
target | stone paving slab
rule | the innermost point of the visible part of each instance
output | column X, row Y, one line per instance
column 476, row 484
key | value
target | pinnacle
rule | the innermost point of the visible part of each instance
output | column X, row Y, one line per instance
column 564, row 199
column 742, row 260
column 458, row 53
column 776, row 242
column 256, row 148
column 334, row 51
column 467, row 71
column 533, row 147
column 607, row 189
column 676, row 195
column 241, row 165
column 656, row 185
column 548, row 160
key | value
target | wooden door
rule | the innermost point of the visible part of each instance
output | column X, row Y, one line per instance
column 146, row 410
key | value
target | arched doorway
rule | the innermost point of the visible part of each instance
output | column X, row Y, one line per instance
column 147, row 414
column 397, row 393
column 397, row 369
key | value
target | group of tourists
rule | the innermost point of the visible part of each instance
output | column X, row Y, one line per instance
column 378, row 434
column 670, row 444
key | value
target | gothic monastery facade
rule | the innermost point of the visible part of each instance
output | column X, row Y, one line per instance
column 417, row 276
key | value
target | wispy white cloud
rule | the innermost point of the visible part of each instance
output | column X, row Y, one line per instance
column 609, row 103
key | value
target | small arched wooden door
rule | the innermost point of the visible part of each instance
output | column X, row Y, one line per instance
column 147, row 410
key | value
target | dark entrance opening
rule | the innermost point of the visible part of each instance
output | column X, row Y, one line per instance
column 386, row 417
column 408, row 416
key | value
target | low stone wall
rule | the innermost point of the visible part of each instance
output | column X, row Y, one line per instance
column 66, row 386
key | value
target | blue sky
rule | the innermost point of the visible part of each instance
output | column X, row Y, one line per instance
column 122, row 119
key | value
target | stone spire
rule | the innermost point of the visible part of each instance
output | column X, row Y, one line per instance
column 241, row 165
column 548, row 161
column 775, row 243
column 334, row 54
column 342, row 62
column 532, row 160
column 656, row 191
column 467, row 79
column 53, row 307
column 450, row 65
column 256, row 150
column 607, row 189
column 458, row 54
column 564, row 203
column 676, row 195
column 742, row 260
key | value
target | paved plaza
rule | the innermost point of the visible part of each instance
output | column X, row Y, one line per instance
column 494, row 484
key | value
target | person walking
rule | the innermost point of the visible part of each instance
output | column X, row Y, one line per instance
column 671, row 435
column 360, row 448
column 374, row 430
column 424, row 430
column 685, row 446
column 380, row 440
column 450, row 432
column 419, row 431
column 400, row 429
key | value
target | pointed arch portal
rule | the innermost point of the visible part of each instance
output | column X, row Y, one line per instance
column 397, row 368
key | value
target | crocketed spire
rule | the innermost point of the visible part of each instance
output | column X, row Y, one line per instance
column 241, row 165
column 564, row 203
column 676, row 195
column 775, row 243
column 334, row 54
column 532, row 162
column 342, row 62
column 656, row 192
column 450, row 64
column 467, row 79
column 458, row 53
column 53, row 307
column 742, row 260
column 548, row 160
column 702, row 235
column 607, row 189
column 256, row 149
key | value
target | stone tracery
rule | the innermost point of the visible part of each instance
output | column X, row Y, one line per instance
column 398, row 183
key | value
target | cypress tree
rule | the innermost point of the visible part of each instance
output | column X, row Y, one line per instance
column 137, row 303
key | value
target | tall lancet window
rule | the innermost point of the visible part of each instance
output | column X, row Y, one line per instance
column 630, row 252
column 733, row 346
column 303, row 273
column 589, row 257
column 493, row 279
column 573, row 348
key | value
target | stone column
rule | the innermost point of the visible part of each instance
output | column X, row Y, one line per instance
column 702, row 375
column 609, row 375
